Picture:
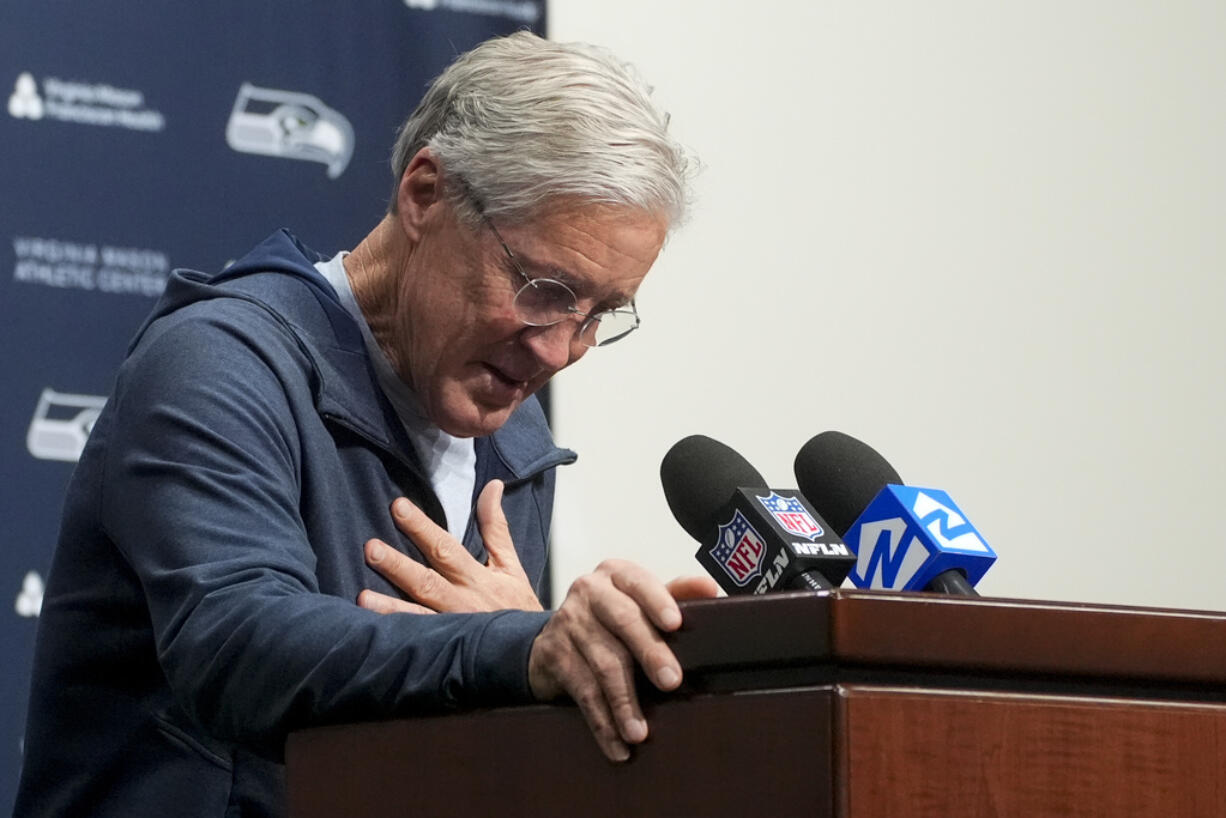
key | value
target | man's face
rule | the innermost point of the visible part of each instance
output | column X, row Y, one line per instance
column 457, row 339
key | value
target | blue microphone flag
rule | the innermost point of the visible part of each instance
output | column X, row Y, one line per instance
column 909, row 535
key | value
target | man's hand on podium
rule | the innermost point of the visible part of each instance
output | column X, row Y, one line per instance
column 609, row 620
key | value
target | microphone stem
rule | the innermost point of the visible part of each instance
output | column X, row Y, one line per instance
column 809, row 581
column 951, row 582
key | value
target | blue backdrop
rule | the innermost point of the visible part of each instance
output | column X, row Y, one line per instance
column 142, row 137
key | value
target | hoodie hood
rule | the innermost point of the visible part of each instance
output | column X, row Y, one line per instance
column 282, row 253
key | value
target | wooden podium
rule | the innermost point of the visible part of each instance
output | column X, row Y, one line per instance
column 849, row 704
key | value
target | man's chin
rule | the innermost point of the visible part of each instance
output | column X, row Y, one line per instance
column 477, row 420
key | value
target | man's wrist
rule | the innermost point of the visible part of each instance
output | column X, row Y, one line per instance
column 500, row 671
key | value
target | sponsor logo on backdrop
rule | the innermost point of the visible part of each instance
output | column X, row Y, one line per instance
column 83, row 103
column 30, row 598
column 289, row 125
column 25, row 103
column 51, row 262
column 523, row 11
column 61, row 424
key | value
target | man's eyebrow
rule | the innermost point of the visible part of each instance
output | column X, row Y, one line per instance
column 535, row 269
column 579, row 285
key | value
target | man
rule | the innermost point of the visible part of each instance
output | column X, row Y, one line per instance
column 228, row 569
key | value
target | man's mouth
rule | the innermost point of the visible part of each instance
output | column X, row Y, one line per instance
column 507, row 379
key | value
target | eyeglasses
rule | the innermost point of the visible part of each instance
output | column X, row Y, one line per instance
column 544, row 302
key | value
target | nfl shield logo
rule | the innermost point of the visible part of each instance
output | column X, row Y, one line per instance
column 739, row 549
column 792, row 516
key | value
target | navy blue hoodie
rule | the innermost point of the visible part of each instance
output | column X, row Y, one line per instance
column 201, row 603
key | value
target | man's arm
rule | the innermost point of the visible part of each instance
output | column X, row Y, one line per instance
column 201, row 495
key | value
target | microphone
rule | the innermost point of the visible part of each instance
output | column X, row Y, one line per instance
column 753, row 540
column 905, row 538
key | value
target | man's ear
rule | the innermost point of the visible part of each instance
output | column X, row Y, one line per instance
column 420, row 189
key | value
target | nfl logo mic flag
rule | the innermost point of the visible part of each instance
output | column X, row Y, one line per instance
column 791, row 515
column 760, row 543
column 739, row 549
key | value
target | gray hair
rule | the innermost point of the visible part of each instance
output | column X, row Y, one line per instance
column 524, row 121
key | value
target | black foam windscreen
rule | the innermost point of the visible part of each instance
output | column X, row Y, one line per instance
column 699, row 475
column 840, row 476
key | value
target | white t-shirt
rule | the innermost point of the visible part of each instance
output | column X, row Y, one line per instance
column 450, row 461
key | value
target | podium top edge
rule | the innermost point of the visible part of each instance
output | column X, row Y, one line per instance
column 937, row 633
column 817, row 598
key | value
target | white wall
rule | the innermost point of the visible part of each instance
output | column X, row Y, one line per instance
column 985, row 238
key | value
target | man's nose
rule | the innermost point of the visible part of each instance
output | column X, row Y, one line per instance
column 557, row 345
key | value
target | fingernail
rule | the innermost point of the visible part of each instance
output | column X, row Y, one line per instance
column 402, row 507
column 620, row 752
column 635, row 730
column 668, row 677
column 374, row 552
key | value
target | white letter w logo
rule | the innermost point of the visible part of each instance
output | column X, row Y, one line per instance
column 881, row 561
